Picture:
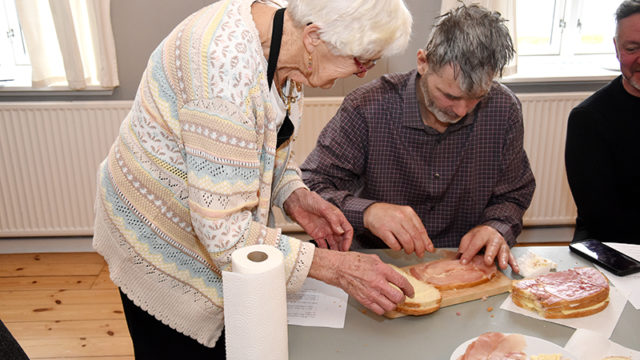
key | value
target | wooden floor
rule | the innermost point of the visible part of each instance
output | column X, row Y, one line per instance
column 63, row 306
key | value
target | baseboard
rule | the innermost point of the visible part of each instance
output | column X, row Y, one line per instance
column 45, row 245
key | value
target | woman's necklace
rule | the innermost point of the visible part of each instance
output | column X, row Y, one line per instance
column 292, row 97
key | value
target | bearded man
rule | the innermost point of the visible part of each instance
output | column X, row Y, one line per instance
column 433, row 157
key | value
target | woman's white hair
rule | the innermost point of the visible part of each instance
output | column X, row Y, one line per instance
column 361, row 28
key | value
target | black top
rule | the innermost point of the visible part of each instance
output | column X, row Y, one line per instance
column 286, row 129
column 602, row 158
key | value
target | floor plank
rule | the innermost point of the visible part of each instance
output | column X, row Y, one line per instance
column 67, row 348
column 103, row 281
column 46, row 282
column 47, row 269
column 63, row 306
column 52, row 258
column 19, row 313
column 52, row 297
column 93, row 358
column 71, row 329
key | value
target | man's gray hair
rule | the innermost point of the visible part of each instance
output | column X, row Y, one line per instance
column 627, row 8
column 475, row 41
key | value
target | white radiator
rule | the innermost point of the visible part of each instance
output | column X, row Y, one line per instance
column 50, row 151
column 545, row 130
column 49, row 154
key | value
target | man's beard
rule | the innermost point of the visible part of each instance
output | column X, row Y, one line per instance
column 442, row 115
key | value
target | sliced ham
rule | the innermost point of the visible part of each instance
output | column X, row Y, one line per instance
column 451, row 274
column 510, row 348
column 496, row 346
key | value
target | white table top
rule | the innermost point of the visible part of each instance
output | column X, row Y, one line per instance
column 435, row 336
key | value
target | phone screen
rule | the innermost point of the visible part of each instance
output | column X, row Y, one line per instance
column 608, row 257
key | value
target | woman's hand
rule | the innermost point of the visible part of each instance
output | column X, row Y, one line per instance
column 320, row 219
column 365, row 277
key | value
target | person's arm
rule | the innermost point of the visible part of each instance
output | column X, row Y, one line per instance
column 335, row 169
column 515, row 185
column 322, row 220
column 363, row 276
column 502, row 217
column 226, row 188
column 588, row 169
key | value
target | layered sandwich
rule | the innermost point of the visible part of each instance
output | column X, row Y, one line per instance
column 448, row 274
column 572, row 293
column 425, row 300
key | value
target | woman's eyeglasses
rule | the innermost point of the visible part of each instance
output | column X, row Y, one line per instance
column 363, row 67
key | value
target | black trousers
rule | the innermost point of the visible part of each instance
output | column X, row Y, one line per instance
column 154, row 340
column 9, row 347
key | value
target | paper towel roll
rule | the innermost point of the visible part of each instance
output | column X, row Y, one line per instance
column 255, row 305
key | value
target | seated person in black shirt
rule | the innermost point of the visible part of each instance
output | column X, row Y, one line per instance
column 602, row 153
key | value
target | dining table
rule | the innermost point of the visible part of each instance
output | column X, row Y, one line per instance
column 435, row 336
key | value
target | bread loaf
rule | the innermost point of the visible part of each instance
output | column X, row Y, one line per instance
column 425, row 300
column 572, row 293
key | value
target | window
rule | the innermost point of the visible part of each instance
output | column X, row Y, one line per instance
column 566, row 37
column 565, row 27
column 61, row 45
column 14, row 61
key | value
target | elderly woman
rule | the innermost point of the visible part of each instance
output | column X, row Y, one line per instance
column 205, row 153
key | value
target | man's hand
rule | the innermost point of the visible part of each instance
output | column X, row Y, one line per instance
column 484, row 236
column 365, row 277
column 399, row 227
column 320, row 219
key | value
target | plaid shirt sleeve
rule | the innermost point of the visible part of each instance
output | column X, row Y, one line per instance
column 334, row 168
column 514, row 189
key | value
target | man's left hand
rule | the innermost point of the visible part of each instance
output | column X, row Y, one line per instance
column 494, row 245
column 322, row 220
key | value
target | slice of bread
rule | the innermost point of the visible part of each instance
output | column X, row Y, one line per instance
column 571, row 293
column 426, row 299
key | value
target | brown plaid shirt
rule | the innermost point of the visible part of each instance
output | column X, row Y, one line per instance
column 376, row 148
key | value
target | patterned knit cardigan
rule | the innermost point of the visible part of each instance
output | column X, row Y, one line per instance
column 194, row 172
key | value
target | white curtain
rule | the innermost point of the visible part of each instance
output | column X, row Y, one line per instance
column 505, row 7
column 70, row 42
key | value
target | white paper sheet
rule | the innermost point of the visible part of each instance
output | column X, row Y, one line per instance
column 317, row 304
column 590, row 345
column 603, row 322
column 630, row 284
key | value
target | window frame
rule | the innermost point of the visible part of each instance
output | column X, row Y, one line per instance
column 20, row 67
column 568, row 65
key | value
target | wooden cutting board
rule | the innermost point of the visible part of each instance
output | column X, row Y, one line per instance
column 498, row 285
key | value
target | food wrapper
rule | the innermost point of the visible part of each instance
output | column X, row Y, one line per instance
column 532, row 265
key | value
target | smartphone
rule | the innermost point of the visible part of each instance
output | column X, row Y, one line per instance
column 606, row 256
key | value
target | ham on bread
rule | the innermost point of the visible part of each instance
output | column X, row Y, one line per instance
column 450, row 274
column 496, row 346
column 572, row 293
column 425, row 300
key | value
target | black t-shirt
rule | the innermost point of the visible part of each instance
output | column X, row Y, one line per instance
column 602, row 159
